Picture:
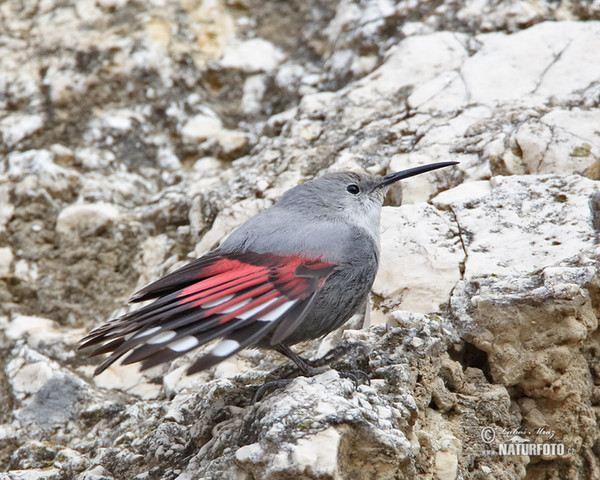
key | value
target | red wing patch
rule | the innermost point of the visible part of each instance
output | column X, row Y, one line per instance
column 239, row 298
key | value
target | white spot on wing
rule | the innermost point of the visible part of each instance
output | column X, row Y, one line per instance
column 150, row 331
column 235, row 306
column 162, row 337
column 184, row 344
column 225, row 347
column 218, row 301
column 277, row 312
column 255, row 310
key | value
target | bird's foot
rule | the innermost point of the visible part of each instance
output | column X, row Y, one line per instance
column 304, row 370
column 355, row 376
column 310, row 369
column 334, row 355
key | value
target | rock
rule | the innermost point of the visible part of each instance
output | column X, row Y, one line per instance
column 527, row 222
column 134, row 139
column 86, row 220
column 36, row 474
column 252, row 55
column 96, row 473
column 6, row 258
column 41, row 333
column 201, row 127
column 6, row 207
column 542, row 349
column 227, row 221
column 17, row 127
column 559, row 45
column 429, row 245
column 532, row 312
column 315, row 453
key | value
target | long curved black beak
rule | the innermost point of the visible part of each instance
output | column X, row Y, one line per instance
column 411, row 172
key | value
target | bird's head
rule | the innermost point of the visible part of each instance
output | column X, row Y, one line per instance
column 353, row 197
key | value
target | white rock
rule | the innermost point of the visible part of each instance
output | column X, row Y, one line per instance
column 317, row 454
column 445, row 92
column 346, row 13
column 524, row 222
column 542, row 61
column 35, row 474
column 86, row 219
column 562, row 141
column 314, row 451
column 205, row 127
column 95, row 473
column 31, row 377
column 17, row 126
column 171, row 380
column 464, row 193
column 26, row 271
column 94, row 158
column 6, row 258
column 254, row 55
column 167, row 159
column 575, row 141
column 127, row 378
column 118, row 119
column 254, row 90
column 154, row 251
column 434, row 54
column 208, row 166
column 34, row 329
column 279, row 119
column 231, row 141
column 36, row 162
column 123, row 188
column 252, row 453
column 489, row 89
column 420, row 257
column 446, row 458
column 201, row 127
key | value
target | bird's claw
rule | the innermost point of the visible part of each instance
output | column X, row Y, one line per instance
column 355, row 375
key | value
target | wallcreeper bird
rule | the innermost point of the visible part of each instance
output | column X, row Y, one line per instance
column 294, row 272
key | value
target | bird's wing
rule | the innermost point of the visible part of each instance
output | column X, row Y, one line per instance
column 239, row 298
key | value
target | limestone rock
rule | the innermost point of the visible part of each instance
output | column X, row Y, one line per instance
column 524, row 223
column 428, row 242
column 90, row 219
column 135, row 136
column 6, row 258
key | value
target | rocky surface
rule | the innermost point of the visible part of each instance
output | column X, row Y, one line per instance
column 135, row 136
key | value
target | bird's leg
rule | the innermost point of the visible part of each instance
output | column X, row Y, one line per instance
column 306, row 369
column 335, row 354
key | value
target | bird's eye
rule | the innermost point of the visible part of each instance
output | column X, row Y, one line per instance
column 353, row 189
